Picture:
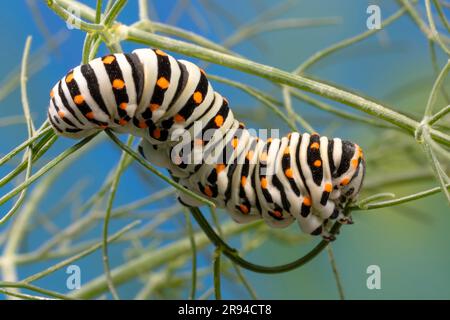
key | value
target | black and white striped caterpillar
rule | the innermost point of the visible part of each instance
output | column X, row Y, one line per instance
column 150, row 94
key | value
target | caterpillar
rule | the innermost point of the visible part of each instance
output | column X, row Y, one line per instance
column 171, row 104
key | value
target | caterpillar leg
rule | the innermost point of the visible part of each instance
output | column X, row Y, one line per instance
column 332, row 212
column 346, row 220
column 340, row 217
column 322, row 230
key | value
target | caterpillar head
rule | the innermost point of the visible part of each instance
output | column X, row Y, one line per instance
column 349, row 172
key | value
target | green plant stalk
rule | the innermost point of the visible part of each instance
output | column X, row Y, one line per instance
column 252, row 30
column 38, row 151
column 347, row 42
column 144, row 201
column 113, row 190
column 233, row 255
column 89, row 14
column 384, row 195
column 98, row 11
column 283, row 77
column 441, row 177
column 23, row 145
column 20, row 225
column 30, row 127
column 236, row 268
column 434, row 91
column 143, row 10
column 216, row 272
column 23, row 85
column 112, row 14
column 416, row 18
column 395, row 202
column 66, row 16
column 292, row 114
column 50, row 165
column 190, row 232
column 87, row 45
column 7, row 284
column 244, row 281
column 80, row 255
column 184, row 34
column 299, row 95
column 434, row 32
column 441, row 15
column 148, row 166
column 336, row 275
column 435, row 64
column 152, row 259
column 23, row 296
column 278, row 76
column 438, row 115
column 340, row 113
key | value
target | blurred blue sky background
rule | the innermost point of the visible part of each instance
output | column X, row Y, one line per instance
column 393, row 66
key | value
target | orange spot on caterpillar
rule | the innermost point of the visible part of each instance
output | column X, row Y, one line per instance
column 52, row 94
column 178, row 118
column 61, row 114
column 360, row 152
column 328, row 187
column 156, row 133
column 160, row 53
column 78, row 99
column 207, row 190
column 90, row 115
column 123, row 122
column 218, row 120
column 286, row 150
column 69, row 77
column 307, row 201
column 154, row 106
column 163, row 83
column 315, row 145
column 264, row 183
column 142, row 124
column 118, row 84
column 354, row 163
column 277, row 213
column 289, row 173
column 123, row 106
column 198, row 97
column 243, row 180
column 108, row 59
column 243, row 208
column 220, row 167
column 317, row 163
column 269, row 140
column 234, row 142
column 345, row 181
